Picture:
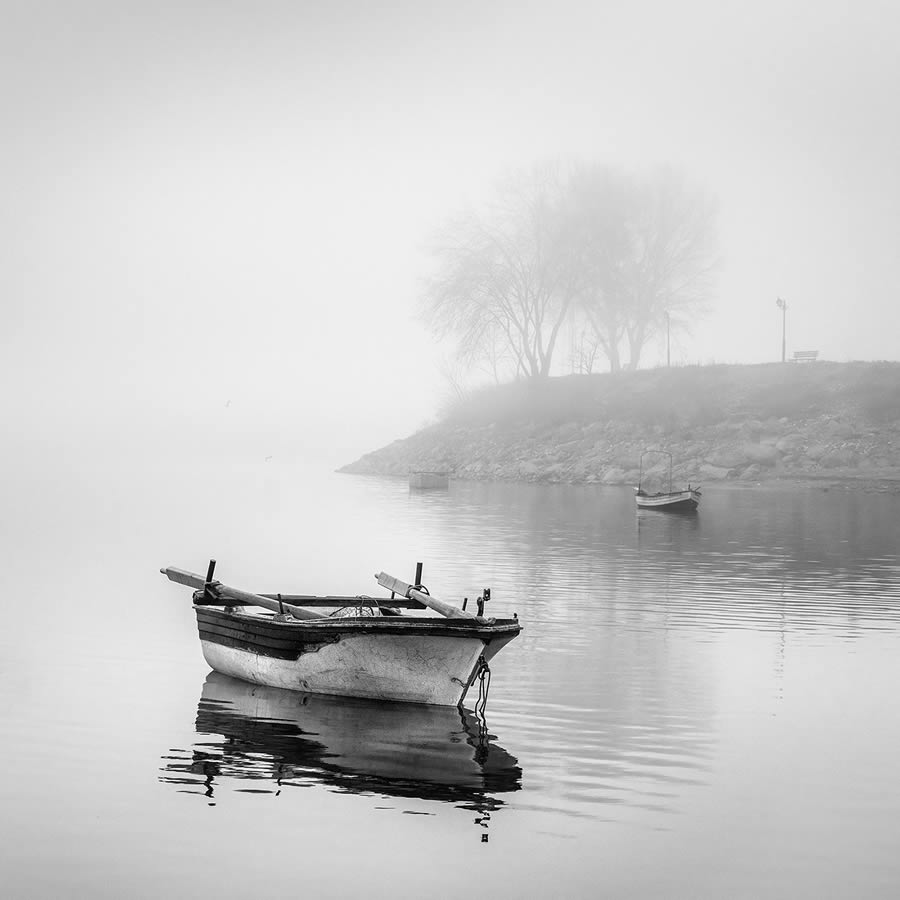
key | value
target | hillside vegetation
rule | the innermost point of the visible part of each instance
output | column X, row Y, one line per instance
column 720, row 422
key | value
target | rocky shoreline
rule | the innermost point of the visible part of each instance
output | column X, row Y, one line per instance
column 609, row 453
column 715, row 438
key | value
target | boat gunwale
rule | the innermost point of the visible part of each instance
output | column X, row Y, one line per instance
column 660, row 495
column 313, row 629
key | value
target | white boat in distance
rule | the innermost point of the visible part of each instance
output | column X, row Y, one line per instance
column 686, row 500
column 362, row 647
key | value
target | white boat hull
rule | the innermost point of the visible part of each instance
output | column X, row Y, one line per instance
column 433, row 670
column 416, row 661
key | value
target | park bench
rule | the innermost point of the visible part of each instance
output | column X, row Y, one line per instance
column 805, row 355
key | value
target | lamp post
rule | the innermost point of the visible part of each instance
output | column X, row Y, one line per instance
column 782, row 305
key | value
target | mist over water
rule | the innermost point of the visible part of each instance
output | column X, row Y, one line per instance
column 694, row 701
column 234, row 205
column 215, row 228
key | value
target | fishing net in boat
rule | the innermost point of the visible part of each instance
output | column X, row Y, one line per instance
column 367, row 606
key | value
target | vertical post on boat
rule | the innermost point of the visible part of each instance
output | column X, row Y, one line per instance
column 418, row 579
column 207, row 594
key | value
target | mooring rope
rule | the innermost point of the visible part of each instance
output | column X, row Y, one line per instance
column 483, row 674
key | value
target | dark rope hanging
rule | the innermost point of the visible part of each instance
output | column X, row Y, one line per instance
column 483, row 675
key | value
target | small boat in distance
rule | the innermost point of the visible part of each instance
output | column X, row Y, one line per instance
column 348, row 646
column 429, row 481
column 686, row 500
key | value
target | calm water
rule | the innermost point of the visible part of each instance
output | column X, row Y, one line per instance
column 699, row 706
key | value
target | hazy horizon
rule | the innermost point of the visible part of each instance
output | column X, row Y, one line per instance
column 216, row 214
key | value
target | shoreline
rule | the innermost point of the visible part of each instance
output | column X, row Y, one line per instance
column 886, row 483
column 819, row 423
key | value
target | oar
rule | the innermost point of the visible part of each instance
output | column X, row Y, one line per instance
column 445, row 609
column 190, row 579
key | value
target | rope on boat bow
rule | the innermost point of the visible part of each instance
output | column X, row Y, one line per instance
column 483, row 676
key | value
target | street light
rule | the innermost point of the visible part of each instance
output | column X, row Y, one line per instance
column 782, row 305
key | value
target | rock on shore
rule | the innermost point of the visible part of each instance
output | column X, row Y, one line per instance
column 845, row 427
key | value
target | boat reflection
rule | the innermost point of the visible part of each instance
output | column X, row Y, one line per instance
column 262, row 734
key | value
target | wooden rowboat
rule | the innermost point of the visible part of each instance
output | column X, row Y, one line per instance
column 686, row 500
column 347, row 646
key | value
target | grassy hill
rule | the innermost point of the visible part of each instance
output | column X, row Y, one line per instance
column 803, row 420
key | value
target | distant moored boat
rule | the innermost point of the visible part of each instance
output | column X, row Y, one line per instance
column 685, row 500
column 425, row 481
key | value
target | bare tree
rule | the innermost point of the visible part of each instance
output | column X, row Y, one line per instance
column 599, row 213
column 672, row 260
column 645, row 249
column 585, row 346
column 503, row 279
column 613, row 253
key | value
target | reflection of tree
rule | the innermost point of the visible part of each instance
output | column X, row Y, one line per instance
column 618, row 709
column 575, row 546
column 611, row 688
column 619, row 609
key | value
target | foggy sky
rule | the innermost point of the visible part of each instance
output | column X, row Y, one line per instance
column 215, row 213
